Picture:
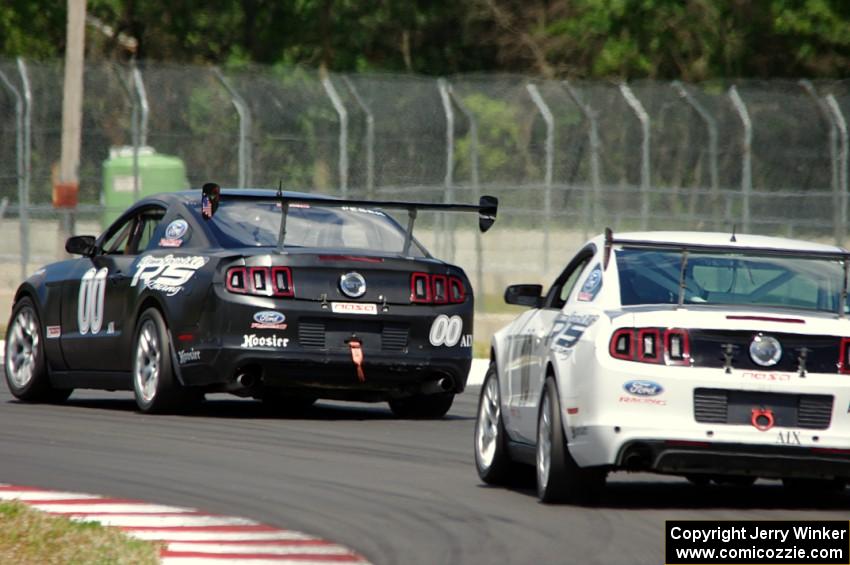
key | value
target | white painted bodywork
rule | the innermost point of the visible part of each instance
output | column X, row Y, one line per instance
column 599, row 417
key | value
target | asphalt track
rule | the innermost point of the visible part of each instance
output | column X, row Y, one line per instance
column 399, row 492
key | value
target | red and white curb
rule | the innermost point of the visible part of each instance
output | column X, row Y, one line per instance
column 189, row 536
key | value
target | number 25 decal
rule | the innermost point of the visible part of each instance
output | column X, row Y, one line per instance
column 90, row 301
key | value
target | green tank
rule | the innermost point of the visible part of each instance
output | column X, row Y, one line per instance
column 157, row 173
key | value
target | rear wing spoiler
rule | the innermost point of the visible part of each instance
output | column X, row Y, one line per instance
column 487, row 208
column 686, row 248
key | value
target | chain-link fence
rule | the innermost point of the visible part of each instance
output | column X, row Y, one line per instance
column 566, row 159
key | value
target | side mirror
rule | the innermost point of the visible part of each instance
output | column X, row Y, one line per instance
column 524, row 295
column 80, row 245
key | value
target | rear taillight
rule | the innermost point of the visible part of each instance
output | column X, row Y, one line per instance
column 677, row 346
column 621, row 346
column 260, row 281
column 844, row 356
column 651, row 345
column 426, row 288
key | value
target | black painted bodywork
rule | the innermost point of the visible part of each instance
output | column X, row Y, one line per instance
column 208, row 324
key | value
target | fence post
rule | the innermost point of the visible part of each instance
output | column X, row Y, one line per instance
column 370, row 137
column 838, row 117
column 22, row 172
column 746, row 157
column 833, row 156
column 543, row 108
column 643, row 118
column 711, row 127
column 244, row 129
column 476, row 189
column 140, row 129
column 448, row 196
column 591, row 116
column 343, row 134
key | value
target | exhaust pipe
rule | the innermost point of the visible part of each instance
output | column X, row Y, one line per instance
column 443, row 384
column 637, row 459
column 246, row 380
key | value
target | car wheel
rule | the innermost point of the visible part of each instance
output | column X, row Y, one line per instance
column 154, row 384
column 559, row 478
column 491, row 451
column 422, row 407
column 26, row 369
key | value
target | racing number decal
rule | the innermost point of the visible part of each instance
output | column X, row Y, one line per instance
column 90, row 301
column 446, row 331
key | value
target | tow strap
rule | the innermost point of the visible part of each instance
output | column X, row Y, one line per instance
column 357, row 358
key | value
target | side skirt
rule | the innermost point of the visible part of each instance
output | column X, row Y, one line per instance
column 105, row 380
column 522, row 452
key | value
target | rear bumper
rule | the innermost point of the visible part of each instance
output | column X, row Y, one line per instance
column 686, row 458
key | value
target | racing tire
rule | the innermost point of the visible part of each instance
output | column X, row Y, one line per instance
column 25, row 365
column 422, row 406
column 492, row 460
column 155, row 385
column 559, row 478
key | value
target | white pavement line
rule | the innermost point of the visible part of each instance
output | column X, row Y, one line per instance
column 174, row 535
column 282, row 549
column 134, row 521
column 113, row 507
column 35, row 495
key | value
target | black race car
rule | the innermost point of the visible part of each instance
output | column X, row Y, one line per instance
column 282, row 296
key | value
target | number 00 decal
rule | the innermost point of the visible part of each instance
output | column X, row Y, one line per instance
column 446, row 331
column 90, row 301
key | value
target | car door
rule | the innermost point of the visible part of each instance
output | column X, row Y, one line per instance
column 528, row 352
column 97, row 304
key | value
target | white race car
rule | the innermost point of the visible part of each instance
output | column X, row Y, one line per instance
column 711, row 356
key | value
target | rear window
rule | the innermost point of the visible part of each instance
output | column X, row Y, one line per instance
column 256, row 223
column 652, row 277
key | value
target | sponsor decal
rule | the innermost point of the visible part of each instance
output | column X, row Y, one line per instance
column 188, row 356
column 446, row 331
column 353, row 308
column 642, row 400
column 591, row 285
column 466, row 341
column 268, row 320
column 166, row 274
column 176, row 229
column 567, row 330
column 53, row 332
column 253, row 341
column 767, row 377
column 578, row 431
column 90, row 301
column 788, row 438
column 643, row 388
column 170, row 242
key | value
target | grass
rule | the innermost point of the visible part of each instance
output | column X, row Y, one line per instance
column 28, row 536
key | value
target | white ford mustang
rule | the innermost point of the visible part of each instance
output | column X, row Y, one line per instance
column 711, row 356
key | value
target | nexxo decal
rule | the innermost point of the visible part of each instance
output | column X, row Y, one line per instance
column 591, row 286
column 90, row 301
column 174, row 233
column 166, row 274
column 446, row 331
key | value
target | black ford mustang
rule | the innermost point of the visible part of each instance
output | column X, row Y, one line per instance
column 276, row 295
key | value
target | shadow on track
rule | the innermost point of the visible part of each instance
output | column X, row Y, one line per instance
column 242, row 409
column 622, row 493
